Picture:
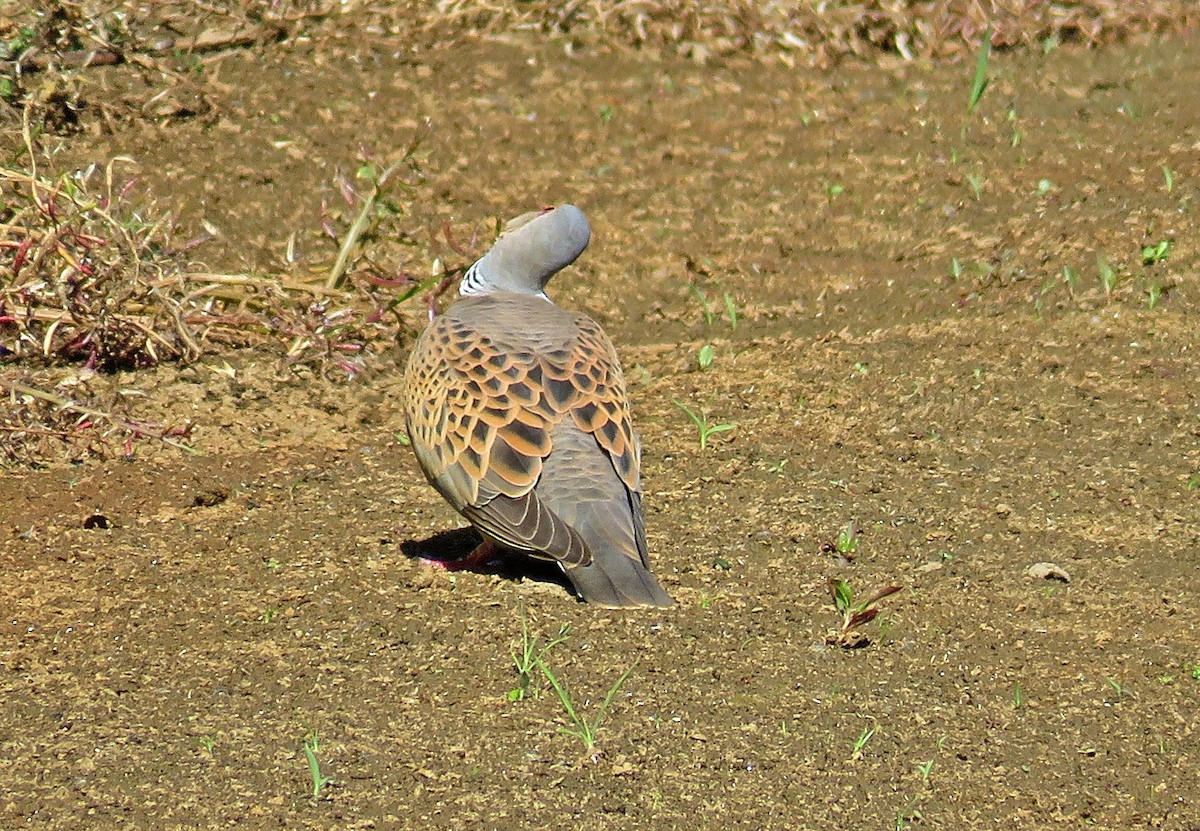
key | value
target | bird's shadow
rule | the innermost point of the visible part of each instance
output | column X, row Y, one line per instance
column 448, row 547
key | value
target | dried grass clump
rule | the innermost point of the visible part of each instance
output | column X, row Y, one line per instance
column 819, row 33
column 84, row 276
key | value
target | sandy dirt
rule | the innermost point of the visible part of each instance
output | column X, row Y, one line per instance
column 922, row 344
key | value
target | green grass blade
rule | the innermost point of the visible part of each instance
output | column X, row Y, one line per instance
column 981, row 71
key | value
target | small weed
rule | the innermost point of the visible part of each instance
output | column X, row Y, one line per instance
column 312, row 747
column 854, row 614
column 403, row 440
column 777, row 467
column 707, row 600
column 1152, row 254
column 833, row 190
column 925, row 768
column 705, row 356
column 860, row 367
column 703, row 428
column 861, row 742
column 906, row 815
column 1108, row 276
column 526, row 654
column 1194, row 482
column 606, row 114
column 1018, row 695
column 980, row 82
column 268, row 615
column 705, row 308
column 956, row 268
column 1194, row 672
column 730, row 310
column 847, row 540
column 207, row 743
column 1168, row 178
column 581, row 728
column 976, row 184
column 721, row 563
column 1044, row 187
column 1071, row 278
column 1120, row 689
column 1154, row 293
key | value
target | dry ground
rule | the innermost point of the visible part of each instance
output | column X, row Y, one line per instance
column 924, row 345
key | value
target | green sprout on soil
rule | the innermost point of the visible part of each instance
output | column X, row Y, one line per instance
column 976, row 184
column 980, row 82
column 581, row 728
column 705, row 308
column 1154, row 293
column 1153, row 254
column 312, row 747
column 1018, row 695
column 908, row 814
column 703, row 428
column 846, row 543
column 527, row 654
column 956, row 268
column 705, row 356
column 730, row 310
column 854, row 614
column 861, row 742
column 833, row 190
column 1168, row 178
column 1108, row 276
column 925, row 768
column 1120, row 689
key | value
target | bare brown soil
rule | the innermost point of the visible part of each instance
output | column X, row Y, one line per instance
column 909, row 354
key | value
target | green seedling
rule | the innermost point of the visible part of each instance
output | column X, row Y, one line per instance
column 908, row 814
column 833, row 190
column 925, row 768
column 705, row 356
column 581, row 728
column 1168, row 178
column 956, row 268
column 312, row 747
column 1120, row 689
column 1044, row 186
column 730, row 310
column 854, row 614
column 980, row 82
column 1152, row 254
column 1071, row 278
column 1194, row 672
column 1018, row 695
column 207, row 743
column 1154, row 293
column 705, row 308
column 846, row 543
column 703, row 428
column 976, row 185
column 526, row 654
column 606, row 113
column 1194, row 482
column 861, row 742
column 1108, row 276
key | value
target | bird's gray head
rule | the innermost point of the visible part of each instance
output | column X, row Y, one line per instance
column 529, row 251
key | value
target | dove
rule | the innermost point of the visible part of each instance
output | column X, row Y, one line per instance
column 517, row 412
